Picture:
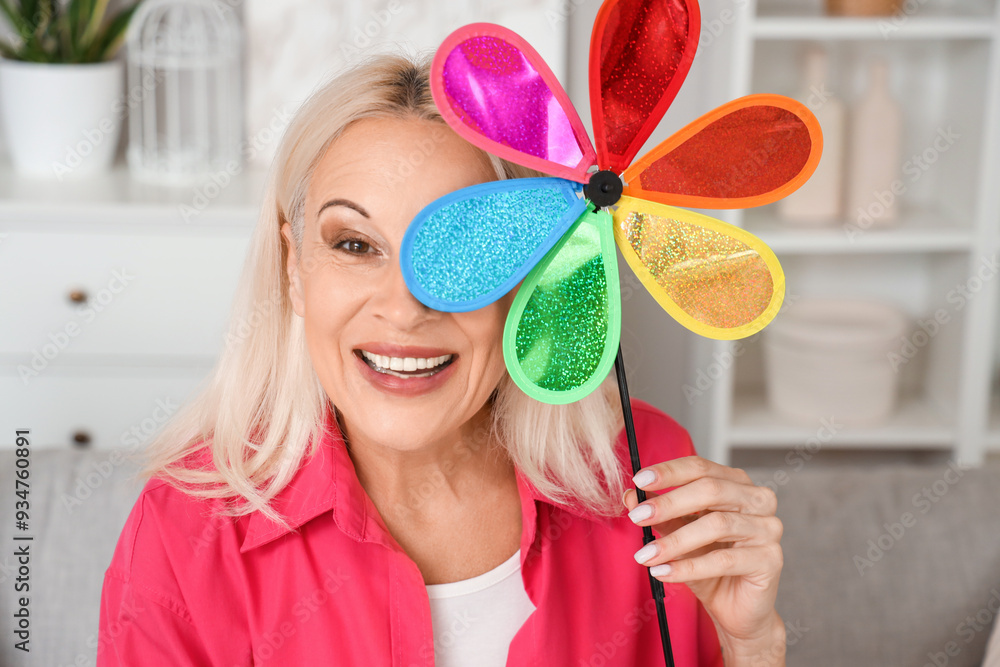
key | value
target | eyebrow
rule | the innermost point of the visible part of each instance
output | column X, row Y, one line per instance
column 343, row 202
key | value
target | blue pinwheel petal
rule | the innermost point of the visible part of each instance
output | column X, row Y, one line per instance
column 467, row 249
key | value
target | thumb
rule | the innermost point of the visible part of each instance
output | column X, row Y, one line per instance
column 630, row 499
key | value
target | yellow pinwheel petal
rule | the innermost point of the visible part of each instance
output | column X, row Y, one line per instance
column 717, row 280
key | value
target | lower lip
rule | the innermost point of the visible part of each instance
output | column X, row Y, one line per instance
column 398, row 386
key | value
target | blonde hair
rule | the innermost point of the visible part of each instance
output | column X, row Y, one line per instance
column 261, row 410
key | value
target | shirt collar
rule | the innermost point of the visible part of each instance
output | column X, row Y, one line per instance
column 327, row 481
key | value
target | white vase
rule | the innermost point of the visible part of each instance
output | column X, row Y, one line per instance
column 874, row 183
column 820, row 199
column 61, row 120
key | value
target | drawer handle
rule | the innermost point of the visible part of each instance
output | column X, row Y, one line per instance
column 78, row 296
column 81, row 438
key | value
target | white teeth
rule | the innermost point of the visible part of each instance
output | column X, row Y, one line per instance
column 406, row 364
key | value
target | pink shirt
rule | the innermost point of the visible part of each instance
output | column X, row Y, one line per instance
column 187, row 588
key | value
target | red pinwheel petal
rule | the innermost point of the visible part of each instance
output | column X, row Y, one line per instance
column 749, row 152
column 640, row 52
column 497, row 93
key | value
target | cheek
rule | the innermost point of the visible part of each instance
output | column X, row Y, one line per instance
column 487, row 330
column 331, row 301
column 499, row 311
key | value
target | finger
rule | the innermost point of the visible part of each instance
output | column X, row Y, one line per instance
column 712, row 529
column 665, row 527
column 707, row 493
column 687, row 469
column 765, row 560
column 661, row 529
column 631, row 499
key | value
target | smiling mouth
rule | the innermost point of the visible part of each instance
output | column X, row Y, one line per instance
column 406, row 367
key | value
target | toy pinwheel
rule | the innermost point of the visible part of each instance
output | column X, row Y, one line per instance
column 558, row 233
column 470, row 248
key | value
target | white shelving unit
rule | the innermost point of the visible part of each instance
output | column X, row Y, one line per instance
column 945, row 72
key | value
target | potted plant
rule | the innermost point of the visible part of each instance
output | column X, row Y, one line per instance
column 61, row 100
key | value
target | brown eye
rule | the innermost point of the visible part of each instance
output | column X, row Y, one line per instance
column 354, row 246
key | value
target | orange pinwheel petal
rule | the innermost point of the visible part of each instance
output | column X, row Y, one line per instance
column 749, row 152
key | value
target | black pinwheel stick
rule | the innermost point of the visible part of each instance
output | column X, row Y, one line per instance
column 647, row 533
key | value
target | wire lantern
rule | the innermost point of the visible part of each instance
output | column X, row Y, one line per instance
column 185, row 93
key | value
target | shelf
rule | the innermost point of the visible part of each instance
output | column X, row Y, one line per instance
column 916, row 232
column 885, row 28
column 916, row 424
column 936, row 9
column 115, row 199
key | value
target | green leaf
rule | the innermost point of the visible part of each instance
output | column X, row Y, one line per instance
column 64, row 35
column 29, row 10
column 45, row 18
column 16, row 20
column 110, row 39
column 48, row 9
column 73, row 18
column 81, row 16
column 96, row 10
column 32, row 51
column 8, row 52
column 71, row 31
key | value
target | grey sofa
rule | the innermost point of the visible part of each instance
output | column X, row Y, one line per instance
column 878, row 571
column 885, row 566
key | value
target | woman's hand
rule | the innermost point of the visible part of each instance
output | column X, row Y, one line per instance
column 718, row 534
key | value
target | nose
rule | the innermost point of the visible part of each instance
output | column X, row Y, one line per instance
column 394, row 302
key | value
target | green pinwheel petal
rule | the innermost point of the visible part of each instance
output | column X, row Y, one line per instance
column 563, row 328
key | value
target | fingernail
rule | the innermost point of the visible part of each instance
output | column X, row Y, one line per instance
column 647, row 552
column 644, row 478
column 641, row 512
column 661, row 570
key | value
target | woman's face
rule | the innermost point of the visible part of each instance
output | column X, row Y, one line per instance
column 402, row 375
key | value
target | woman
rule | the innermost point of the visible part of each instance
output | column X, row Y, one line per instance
column 340, row 396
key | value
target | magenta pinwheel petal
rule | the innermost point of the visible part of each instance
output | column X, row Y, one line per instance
column 498, row 93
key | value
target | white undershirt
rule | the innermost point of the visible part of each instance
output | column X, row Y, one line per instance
column 475, row 619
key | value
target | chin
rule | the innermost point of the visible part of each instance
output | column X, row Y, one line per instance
column 401, row 428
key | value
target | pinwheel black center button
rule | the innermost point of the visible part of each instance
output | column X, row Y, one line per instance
column 604, row 188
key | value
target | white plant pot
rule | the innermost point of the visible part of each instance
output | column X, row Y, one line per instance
column 61, row 120
column 829, row 358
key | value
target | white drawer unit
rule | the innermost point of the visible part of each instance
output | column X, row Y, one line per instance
column 96, row 407
column 113, row 305
column 80, row 294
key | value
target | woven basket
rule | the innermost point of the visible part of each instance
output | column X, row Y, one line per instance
column 863, row 7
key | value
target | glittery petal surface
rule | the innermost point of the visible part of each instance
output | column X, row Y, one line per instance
column 498, row 93
column 717, row 280
column 563, row 328
column 749, row 152
column 469, row 248
column 640, row 53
